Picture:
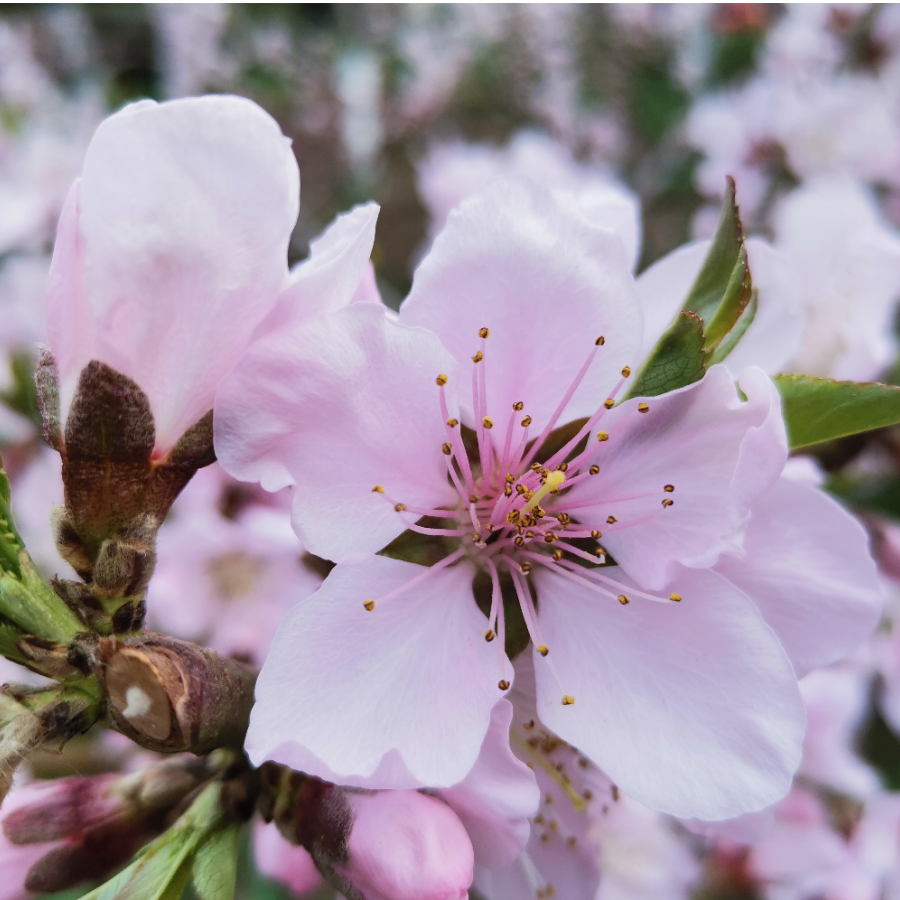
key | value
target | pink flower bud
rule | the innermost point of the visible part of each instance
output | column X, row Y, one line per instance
column 405, row 845
column 285, row 862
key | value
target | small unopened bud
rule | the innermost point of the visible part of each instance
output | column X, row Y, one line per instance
column 405, row 845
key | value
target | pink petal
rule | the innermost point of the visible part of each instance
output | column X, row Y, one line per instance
column 186, row 212
column 692, row 708
column 70, row 322
column 691, row 438
column 403, row 693
column 406, row 846
column 287, row 863
column 330, row 277
column 335, row 406
column 498, row 797
column 526, row 263
column 809, row 571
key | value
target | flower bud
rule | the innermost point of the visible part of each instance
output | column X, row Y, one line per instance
column 60, row 834
column 404, row 845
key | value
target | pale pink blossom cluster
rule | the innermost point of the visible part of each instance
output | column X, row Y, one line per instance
column 428, row 585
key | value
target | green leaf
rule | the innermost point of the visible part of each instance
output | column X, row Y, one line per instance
column 734, row 301
column 676, row 361
column 215, row 869
column 819, row 409
column 715, row 274
column 736, row 333
column 162, row 870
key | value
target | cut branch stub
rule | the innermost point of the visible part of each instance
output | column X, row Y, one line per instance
column 173, row 696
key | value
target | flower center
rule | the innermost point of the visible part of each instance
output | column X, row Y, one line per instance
column 512, row 511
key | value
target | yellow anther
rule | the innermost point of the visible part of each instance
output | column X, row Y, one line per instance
column 400, row 507
column 626, row 372
column 596, row 535
column 476, row 538
column 484, row 332
column 542, row 649
column 378, row 489
column 602, row 436
column 667, row 503
column 528, row 494
column 669, row 488
column 675, row 598
column 488, row 422
column 473, row 498
column 551, row 537
column 520, row 489
column 557, row 555
column 518, row 406
column 554, row 481
column 452, row 423
column 643, row 407
column 519, row 541
column 507, row 491
column 503, row 684
column 529, row 534
column 478, row 357
column 600, row 551
column 600, row 341
column 564, row 519
column 536, row 467
column 594, row 470
column 525, row 568
column 489, row 527
column 448, row 450
column 510, row 479
column 568, row 700
column 609, row 403
column 369, row 605
column 624, row 600
column 441, row 380
column 512, row 516
column 563, row 468
column 489, row 635
column 611, row 520
column 526, row 421
column 538, row 511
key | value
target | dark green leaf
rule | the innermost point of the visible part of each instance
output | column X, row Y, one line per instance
column 676, row 361
column 215, row 869
column 819, row 409
column 715, row 274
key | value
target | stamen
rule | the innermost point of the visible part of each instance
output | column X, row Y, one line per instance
column 551, row 424
column 429, row 571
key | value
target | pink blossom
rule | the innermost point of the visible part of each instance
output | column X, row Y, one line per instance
column 171, row 249
column 406, row 680
column 406, row 846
